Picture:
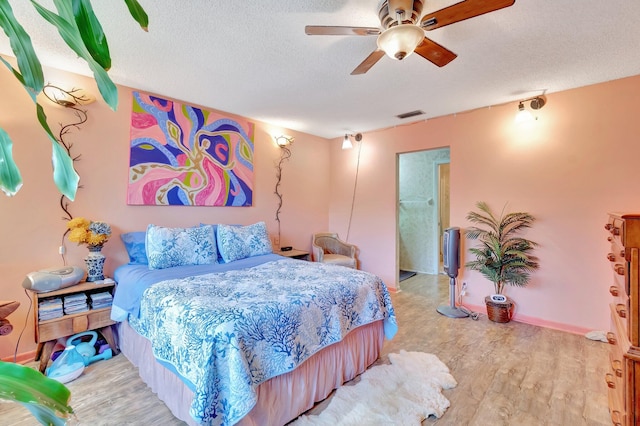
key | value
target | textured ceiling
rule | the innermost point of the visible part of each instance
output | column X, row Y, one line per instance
column 254, row 59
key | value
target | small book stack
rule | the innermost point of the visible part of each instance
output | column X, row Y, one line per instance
column 100, row 300
column 75, row 303
column 50, row 308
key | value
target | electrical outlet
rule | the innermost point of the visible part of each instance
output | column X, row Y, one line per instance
column 463, row 290
column 61, row 250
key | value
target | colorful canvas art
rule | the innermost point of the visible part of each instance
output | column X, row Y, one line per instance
column 183, row 155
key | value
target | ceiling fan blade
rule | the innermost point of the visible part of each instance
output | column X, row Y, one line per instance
column 332, row 30
column 370, row 61
column 461, row 11
column 433, row 52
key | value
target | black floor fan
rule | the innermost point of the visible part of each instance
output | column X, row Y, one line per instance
column 451, row 262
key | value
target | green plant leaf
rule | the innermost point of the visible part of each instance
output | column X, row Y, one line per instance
column 91, row 32
column 22, row 48
column 64, row 175
column 10, row 178
column 46, row 398
column 68, row 30
column 138, row 13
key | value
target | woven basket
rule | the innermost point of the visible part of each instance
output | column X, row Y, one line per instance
column 499, row 311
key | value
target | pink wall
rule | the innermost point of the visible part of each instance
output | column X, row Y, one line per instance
column 31, row 224
column 575, row 164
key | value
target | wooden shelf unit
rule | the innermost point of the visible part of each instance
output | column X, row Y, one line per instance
column 47, row 332
column 623, row 378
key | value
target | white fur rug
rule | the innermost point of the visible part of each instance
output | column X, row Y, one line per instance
column 404, row 392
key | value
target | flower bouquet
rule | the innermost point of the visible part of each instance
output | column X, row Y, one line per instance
column 93, row 234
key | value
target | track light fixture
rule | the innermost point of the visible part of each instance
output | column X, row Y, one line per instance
column 525, row 115
column 346, row 143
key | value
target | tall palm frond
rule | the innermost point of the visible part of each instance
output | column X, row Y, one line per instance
column 502, row 257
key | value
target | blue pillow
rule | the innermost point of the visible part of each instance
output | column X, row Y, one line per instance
column 169, row 247
column 240, row 242
column 135, row 246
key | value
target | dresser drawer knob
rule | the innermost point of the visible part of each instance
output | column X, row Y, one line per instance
column 611, row 257
column 611, row 382
column 622, row 253
column 611, row 338
column 614, row 290
column 619, row 269
column 616, row 366
column 609, row 239
column 615, row 231
column 608, row 226
column 616, row 418
column 621, row 310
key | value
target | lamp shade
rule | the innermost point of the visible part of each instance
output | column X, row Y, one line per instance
column 400, row 41
column 523, row 115
column 346, row 142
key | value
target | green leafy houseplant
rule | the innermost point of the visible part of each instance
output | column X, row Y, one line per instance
column 503, row 257
column 80, row 29
column 45, row 398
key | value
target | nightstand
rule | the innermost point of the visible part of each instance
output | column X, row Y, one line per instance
column 48, row 331
column 294, row 253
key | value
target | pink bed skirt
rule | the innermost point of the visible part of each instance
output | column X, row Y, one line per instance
column 280, row 399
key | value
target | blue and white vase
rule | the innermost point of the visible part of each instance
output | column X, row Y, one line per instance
column 95, row 264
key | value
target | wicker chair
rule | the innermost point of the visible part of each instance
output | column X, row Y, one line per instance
column 328, row 248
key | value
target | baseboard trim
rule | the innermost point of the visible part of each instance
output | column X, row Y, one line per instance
column 525, row 319
column 22, row 358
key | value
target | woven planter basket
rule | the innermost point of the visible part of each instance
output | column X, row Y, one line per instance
column 499, row 311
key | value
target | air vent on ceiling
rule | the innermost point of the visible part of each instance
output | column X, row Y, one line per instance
column 410, row 114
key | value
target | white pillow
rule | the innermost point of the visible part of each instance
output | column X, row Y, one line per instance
column 239, row 242
column 169, row 247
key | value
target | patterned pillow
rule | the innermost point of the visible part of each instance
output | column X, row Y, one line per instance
column 135, row 246
column 239, row 242
column 169, row 247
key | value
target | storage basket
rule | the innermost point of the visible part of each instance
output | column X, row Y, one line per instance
column 499, row 311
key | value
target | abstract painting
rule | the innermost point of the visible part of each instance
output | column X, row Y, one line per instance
column 183, row 155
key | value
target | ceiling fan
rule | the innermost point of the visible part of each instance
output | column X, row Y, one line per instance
column 402, row 29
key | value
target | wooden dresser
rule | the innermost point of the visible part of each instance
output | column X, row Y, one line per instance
column 623, row 378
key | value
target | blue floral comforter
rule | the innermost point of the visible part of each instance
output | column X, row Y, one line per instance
column 227, row 332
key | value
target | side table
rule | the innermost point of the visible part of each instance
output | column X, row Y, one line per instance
column 294, row 253
column 48, row 331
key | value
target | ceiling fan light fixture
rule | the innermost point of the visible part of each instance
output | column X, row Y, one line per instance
column 400, row 41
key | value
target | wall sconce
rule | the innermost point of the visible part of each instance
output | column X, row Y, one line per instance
column 524, row 115
column 283, row 140
column 73, row 99
column 283, row 143
column 67, row 98
column 346, row 143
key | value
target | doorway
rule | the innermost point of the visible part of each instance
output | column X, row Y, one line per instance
column 423, row 210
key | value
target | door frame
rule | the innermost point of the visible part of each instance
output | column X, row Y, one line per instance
column 438, row 240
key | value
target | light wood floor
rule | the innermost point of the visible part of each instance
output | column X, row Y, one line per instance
column 508, row 374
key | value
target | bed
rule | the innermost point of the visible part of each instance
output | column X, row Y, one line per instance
column 250, row 339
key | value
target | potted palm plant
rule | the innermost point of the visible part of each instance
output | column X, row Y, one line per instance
column 503, row 257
